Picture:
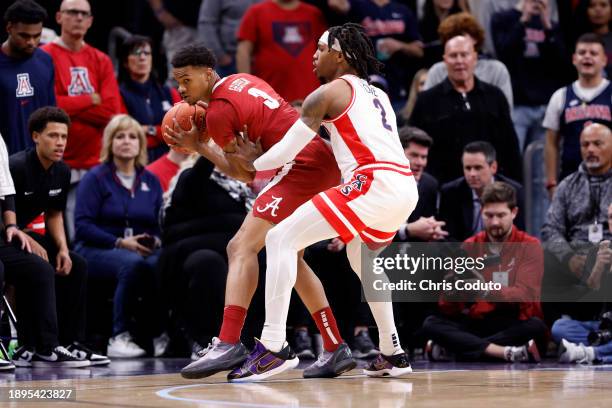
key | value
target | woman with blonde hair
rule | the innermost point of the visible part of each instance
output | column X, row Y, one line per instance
column 418, row 85
column 117, row 228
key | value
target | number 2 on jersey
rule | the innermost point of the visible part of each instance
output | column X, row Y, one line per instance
column 268, row 100
column 383, row 114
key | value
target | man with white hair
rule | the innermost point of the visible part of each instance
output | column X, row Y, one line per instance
column 86, row 89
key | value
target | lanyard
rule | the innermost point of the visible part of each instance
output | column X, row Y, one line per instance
column 595, row 198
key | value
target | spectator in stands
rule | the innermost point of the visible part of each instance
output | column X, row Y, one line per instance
column 166, row 167
column 26, row 73
column 595, row 16
column 86, row 88
column 573, row 335
column 393, row 29
column 422, row 224
column 501, row 324
column 218, row 24
column 417, row 86
column 117, row 231
column 532, row 48
column 281, row 33
column 460, row 199
column 180, row 21
column 41, row 182
column 589, row 99
column 34, row 281
column 578, row 213
column 205, row 210
column 486, row 10
column 435, row 11
column 463, row 109
column 145, row 99
column 487, row 70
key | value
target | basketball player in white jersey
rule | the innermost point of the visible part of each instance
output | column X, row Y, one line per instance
column 378, row 195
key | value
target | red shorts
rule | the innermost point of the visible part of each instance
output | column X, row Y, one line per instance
column 313, row 170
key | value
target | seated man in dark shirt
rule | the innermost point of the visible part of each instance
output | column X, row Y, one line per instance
column 41, row 182
column 460, row 199
column 422, row 224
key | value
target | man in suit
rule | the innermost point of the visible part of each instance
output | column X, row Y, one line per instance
column 422, row 224
column 460, row 198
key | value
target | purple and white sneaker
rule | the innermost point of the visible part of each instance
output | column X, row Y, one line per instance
column 262, row 363
column 392, row 366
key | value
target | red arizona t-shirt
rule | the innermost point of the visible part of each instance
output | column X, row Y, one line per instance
column 284, row 43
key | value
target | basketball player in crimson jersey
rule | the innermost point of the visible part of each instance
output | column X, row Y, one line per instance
column 232, row 103
column 379, row 193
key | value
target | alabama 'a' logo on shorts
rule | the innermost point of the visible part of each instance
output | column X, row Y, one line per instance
column 272, row 206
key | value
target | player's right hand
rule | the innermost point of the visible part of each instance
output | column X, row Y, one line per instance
column 189, row 139
column 244, row 150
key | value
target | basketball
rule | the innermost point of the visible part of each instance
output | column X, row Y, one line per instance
column 182, row 112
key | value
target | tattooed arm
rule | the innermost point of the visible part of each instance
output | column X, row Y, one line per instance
column 327, row 101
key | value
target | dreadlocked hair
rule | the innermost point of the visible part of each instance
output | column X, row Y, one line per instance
column 356, row 48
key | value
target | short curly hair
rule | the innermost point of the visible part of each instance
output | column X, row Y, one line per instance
column 196, row 55
column 461, row 24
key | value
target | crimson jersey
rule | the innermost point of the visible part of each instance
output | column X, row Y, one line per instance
column 244, row 99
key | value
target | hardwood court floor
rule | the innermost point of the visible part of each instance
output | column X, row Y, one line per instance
column 431, row 385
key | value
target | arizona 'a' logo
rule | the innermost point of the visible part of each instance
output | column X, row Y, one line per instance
column 24, row 87
column 272, row 205
column 79, row 82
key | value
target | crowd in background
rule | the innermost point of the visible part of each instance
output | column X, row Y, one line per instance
column 504, row 109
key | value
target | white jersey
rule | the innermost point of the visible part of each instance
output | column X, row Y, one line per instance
column 366, row 132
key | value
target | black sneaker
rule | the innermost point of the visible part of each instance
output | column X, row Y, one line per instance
column 392, row 366
column 58, row 357
column 23, row 357
column 363, row 346
column 330, row 365
column 303, row 345
column 81, row 352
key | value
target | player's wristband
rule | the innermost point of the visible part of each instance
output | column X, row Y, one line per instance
column 296, row 138
column 7, row 226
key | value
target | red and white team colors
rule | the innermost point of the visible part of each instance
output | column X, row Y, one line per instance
column 245, row 99
column 379, row 191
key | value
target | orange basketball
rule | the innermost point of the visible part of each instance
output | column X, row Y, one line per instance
column 182, row 112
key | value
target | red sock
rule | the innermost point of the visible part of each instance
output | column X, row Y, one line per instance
column 233, row 320
column 326, row 323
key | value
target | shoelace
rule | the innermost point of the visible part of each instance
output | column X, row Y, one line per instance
column 62, row 351
column 203, row 352
column 322, row 359
column 81, row 347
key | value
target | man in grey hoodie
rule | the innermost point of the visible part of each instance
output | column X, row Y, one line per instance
column 577, row 217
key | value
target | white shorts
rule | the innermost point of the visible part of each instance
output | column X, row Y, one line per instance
column 377, row 200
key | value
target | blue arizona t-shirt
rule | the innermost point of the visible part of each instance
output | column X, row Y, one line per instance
column 393, row 20
column 25, row 85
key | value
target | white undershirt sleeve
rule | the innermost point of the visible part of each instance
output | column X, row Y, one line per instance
column 296, row 138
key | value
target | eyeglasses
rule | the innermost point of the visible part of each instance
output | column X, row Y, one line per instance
column 75, row 13
column 139, row 52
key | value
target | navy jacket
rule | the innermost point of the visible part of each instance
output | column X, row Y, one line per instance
column 104, row 207
column 457, row 207
column 25, row 85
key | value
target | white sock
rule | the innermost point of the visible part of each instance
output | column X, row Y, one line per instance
column 382, row 312
column 304, row 227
